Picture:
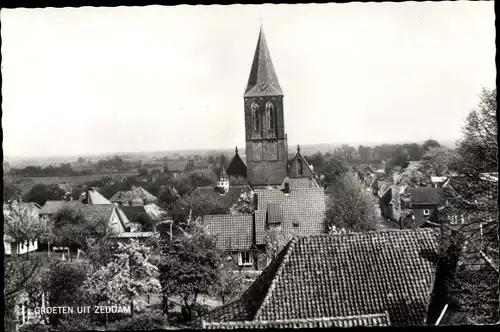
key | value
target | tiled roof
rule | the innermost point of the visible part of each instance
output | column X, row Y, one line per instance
column 136, row 193
column 300, row 183
column 304, row 207
column 175, row 166
column 353, row 321
column 133, row 213
column 51, row 207
column 343, row 275
column 96, row 198
column 263, row 80
column 95, row 212
column 237, row 167
column 234, row 232
column 229, row 198
column 430, row 196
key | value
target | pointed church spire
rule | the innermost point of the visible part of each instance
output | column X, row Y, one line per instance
column 236, row 150
column 263, row 80
column 298, row 149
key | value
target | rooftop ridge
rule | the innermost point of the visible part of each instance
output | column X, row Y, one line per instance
column 289, row 250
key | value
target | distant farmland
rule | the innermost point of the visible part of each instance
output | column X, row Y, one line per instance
column 80, row 179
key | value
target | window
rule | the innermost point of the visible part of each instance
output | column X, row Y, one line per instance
column 271, row 112
column 300, row 167
column 426, row 212
column 245, row 258
column 255, row 116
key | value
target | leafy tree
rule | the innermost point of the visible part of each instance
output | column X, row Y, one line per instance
column 349, row 206
column 41, row 193
column 24, row 225
column 471, row 202
column 275, row 240
column 345, row 153
column 430, row 143
column 202, row 179
column 190, row 266
column 436, row 160
column 126, row 278
column 316, row 159
column 230, row 286
column 334, row 171
column 414, row 151
column 11, row 191
column 244, row 205
column 365, row 153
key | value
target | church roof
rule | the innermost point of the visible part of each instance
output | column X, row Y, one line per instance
column 263, row 80
column 237, row 167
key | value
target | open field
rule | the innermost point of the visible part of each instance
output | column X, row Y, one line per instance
column 47, row 180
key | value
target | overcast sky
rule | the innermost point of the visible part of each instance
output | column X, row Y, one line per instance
column 126, row 79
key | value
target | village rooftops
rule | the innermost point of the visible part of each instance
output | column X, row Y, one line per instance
column 136, row 194
column 342, row 275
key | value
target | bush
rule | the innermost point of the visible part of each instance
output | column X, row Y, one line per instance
column 140, row 322
column 34, row 327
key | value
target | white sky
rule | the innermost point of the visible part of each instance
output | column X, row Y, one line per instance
column 126, row 79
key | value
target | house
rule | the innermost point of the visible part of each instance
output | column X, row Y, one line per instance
column 423, row 202
column 135, row 196
column 16, row 248
column 355, row 279
column 440, row 181
column 112, row 213
column 297, row 211
column 94, row 197
column 235, row 236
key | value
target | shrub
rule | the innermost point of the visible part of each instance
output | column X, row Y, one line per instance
column 140, row 322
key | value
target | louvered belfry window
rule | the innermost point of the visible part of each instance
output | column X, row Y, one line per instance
column 255, row 116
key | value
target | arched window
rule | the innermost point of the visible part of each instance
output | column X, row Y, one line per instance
column 271, row 113
column 255, row 116
column 300, row 167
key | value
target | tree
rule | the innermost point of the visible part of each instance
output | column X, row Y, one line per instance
column 365, row 153
column 229, row 287
column 11, row 191
column 316, row 159
column 190, row 266
column 435, row 161
column 430, row 143
column 335, row 170
column 345, row 153
column 414, row 151
column 349, row 206
column 471, row 202
column 62, row 282
column 244, row 205
column 127, row 277
column 275, row 240
column 41, row 193
column 24, row 225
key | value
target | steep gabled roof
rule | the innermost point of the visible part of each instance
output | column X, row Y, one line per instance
column 237, row 167
column 343, row 275
column 95, row 197
column 263, row 80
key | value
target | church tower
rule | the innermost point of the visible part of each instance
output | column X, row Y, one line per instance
column 266, row 145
